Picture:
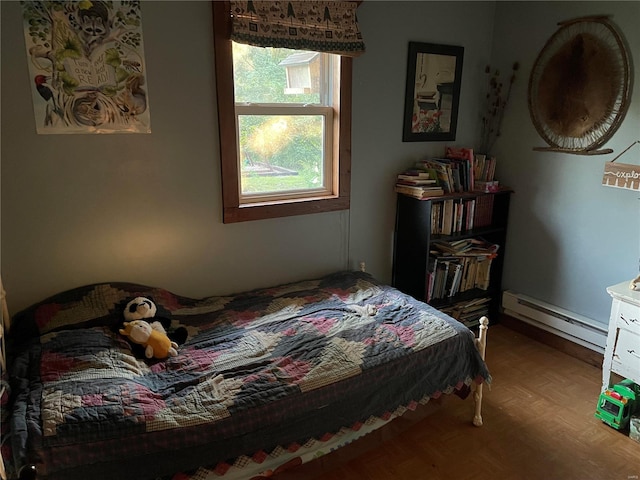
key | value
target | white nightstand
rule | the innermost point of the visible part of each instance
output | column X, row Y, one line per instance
column 622, row 353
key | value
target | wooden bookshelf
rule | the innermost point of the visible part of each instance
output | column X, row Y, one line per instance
column 422, row 223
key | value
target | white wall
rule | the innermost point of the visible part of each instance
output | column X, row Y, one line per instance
column 569, row 237
column 79, row 209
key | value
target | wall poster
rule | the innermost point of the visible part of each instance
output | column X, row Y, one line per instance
column 86, row 66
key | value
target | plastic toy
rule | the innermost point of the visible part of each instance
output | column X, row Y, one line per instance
column 617, row 403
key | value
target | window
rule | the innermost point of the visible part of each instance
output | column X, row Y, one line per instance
column 285, row 138
column 285, row 134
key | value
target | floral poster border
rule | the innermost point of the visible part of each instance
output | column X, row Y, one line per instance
column 434, row 77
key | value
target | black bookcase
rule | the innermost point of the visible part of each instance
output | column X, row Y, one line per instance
column 414, row 237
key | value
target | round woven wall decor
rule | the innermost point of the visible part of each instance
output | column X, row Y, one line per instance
column 580, row 86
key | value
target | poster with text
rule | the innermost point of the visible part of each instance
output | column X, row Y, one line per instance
column 86, row 66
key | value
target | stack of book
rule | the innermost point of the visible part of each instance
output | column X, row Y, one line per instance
column 458, row 266
column 452, row 216
column 465, row 246
column 447, row 178
column 469, row 312
column 459, row 170
column 463, row 160
column 418, row 183
column 484, row 171
column 455, row 215
column 454, row 171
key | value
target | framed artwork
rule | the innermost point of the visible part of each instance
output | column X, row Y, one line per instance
column 434, row 74
column 86, row 66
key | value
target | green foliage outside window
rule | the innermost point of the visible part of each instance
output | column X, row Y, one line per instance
column 258, row 78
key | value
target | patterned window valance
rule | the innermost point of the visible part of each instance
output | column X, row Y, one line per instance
column 330, row 27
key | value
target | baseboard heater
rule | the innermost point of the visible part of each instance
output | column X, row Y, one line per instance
column 566, row 324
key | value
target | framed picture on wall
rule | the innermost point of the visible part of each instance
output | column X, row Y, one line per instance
column 434, row 74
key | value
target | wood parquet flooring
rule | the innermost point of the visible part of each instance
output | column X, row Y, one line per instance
column 538, row 424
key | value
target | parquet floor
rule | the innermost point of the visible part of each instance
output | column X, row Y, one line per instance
column 538, row 424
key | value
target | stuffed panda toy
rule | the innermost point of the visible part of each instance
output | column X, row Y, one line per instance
column 143, row 308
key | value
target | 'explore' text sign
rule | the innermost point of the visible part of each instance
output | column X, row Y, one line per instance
column 621, row 175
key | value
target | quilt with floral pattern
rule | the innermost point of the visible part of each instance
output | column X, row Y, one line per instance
column 265, row 368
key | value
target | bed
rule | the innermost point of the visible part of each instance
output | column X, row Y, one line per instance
column 266, row 379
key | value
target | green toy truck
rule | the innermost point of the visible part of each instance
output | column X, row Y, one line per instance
column 617, row 403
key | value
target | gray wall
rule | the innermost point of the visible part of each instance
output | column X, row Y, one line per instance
column 378, row 107
column 569, row 237
column 79, row 209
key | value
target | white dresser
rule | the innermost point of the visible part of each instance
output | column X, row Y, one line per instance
column 622, row 353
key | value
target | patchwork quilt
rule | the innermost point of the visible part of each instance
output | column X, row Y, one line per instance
column 261, row 369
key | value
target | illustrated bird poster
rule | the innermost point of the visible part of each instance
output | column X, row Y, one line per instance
column 86, row 66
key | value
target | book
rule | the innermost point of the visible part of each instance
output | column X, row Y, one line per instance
column 483, row 273
column 442, row 170
column 483, row 215
column 420, row 192
column 94, row 71
column 403, row 180
column 453, row 248
column 466, row 157
column 413, row 173
column 420, row 181
column 447, row 217
column 432, row 261
column 468, row 313
column 480, row 160
column 441, row 271
column 458, row 177
column 453, row 274
column 487, row 186
column 470, row 206
column 485, row 168
column 468, row 264
column 455, row 280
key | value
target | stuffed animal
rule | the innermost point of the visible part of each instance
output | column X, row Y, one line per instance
column 155, row 343
column 143, row 308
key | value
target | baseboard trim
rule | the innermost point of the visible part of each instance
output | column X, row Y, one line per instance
column 562, row 344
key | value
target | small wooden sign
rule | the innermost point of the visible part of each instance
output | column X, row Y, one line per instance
column 621, row 175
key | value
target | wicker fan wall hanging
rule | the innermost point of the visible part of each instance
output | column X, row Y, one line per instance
column 580, row 86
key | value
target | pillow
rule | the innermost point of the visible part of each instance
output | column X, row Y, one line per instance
column 94, row 305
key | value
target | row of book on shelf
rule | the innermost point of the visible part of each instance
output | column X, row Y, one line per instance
column 468, row 312
column 459, row 170
column 451, row 215
column 458, row 266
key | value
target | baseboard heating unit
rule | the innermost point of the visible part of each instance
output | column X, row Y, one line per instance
column 566, row 324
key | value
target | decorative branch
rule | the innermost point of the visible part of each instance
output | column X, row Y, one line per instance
column 496, row 103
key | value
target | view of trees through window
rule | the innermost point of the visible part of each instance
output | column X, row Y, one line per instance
column 281, row 134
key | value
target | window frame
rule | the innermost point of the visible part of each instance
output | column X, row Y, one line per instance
column 233, row 209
